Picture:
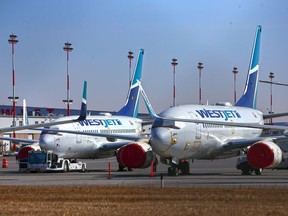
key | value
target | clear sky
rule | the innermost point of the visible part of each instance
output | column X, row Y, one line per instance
column 218, row 33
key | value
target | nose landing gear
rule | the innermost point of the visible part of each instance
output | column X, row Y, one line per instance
column 181, row 168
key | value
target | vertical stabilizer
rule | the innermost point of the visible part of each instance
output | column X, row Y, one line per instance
column 148, row 104
column 83, row 111
column 131, row 105
column 249, row 96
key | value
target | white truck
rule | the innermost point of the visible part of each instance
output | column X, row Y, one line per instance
column 47, row 161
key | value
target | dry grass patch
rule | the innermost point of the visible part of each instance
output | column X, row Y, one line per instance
column 111, row 200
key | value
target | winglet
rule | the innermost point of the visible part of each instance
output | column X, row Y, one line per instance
column 131, row 105
column 249, row 96
column 83, row 111
column 148, row 104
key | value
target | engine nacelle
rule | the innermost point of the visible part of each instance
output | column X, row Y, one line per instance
column 264, row 154
column 23, row 152
column 135, row 155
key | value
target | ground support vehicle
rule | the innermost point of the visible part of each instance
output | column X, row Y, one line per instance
column 48, row 161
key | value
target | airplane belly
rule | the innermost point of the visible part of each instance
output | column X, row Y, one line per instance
column 68, row 147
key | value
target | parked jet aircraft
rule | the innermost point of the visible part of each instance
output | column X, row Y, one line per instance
column 187, row 132
column 198, row 132
column 78, row 140
column 92, row 137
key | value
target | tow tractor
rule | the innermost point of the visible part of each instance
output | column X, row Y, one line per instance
column 47, row 161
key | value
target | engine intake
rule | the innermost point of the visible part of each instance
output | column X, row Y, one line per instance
column 135, row 155
column 264, row 154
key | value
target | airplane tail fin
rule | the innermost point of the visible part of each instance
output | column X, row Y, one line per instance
column 249, row 96
column 148, row 104
column 83, row 111
column 131, row 105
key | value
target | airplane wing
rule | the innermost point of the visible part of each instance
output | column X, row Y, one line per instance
column 81, row 117
column 232, row 124
column 281, row 141
column 18, row 140
column 113, row 136
column 276, row 115
column 113, row 146
column 24, row 127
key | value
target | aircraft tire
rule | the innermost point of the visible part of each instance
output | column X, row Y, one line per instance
column 83, row 169
column 173, row 171
column 185, row 168
column 66, row 169
column 245, row 168
column 121, row 168
column 258, row 171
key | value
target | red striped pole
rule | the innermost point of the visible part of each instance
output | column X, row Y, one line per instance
column 13, row 41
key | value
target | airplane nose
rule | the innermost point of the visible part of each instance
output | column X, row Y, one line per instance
column 161, row 139
column 46, row 141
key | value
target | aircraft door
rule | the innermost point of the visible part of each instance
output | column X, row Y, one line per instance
column 78, row 136
column 198, row 128
column 198, row 131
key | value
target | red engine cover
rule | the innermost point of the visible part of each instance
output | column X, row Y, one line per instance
column 132, row 155
column 23, row 152
column 260, row 155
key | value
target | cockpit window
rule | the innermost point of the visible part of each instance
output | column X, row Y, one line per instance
column 164, row 123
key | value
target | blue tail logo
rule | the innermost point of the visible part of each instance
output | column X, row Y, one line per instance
column 83, row 111
column 249, row 96
column 131, row 106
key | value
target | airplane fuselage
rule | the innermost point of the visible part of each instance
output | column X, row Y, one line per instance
column 184, row 140
column 85, row 147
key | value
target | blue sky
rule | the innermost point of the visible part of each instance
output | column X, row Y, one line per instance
column 218, row 33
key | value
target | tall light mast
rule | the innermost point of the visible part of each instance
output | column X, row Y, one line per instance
column 67, row 48
column 174, row 64
column 14, row 99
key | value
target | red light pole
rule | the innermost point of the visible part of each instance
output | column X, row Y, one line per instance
column 200, row 67
column 174, row 64
column 271, row 76
column 235, row 73
column 130, row 57
column 67, row 48
column 14, row 99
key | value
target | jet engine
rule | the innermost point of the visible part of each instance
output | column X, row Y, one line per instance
column 264, row 154
column 23, row 152
column 135, row 155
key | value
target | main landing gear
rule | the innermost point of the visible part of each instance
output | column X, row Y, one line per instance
column 123, row 168
column 246, row 169
column 181, row 168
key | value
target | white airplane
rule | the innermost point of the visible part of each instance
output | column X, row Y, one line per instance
column 208, row 132
column 93, row 137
